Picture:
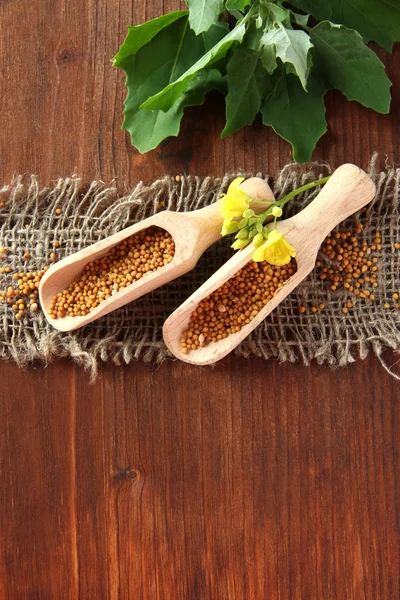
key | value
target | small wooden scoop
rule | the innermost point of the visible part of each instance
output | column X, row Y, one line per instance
column 347, row 191
column 193, row 232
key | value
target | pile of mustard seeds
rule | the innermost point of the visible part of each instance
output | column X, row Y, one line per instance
column 136, row 256
column 235, row 304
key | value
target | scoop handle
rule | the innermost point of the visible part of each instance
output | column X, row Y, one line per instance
column 346, row 192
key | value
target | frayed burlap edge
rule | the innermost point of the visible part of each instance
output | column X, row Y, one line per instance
column 29, row 221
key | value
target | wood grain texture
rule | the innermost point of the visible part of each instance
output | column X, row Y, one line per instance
column 249, row 481
column 185, row 484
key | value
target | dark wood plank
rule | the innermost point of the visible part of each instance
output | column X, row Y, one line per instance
column 265, row 481
column 250, row 480
column 39, row 552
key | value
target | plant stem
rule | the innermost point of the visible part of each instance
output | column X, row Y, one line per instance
column 253, row 9
column 300, row 190
column 236, row 13
column 291, row 195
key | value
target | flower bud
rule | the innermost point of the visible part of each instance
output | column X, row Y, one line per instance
column 258, row 240
column 243, row 223
column 265, row 232
column 238, row 244
column 252, row 232
column 229, row 228
column 243, row 234
column 276, row 211
column 248, row 213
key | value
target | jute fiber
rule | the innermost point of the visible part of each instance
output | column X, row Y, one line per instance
column 29, row 222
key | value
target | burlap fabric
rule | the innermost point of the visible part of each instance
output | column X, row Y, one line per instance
column 29, row 222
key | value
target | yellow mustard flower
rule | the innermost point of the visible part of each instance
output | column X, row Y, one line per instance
column 276, row 250
column 235, row 202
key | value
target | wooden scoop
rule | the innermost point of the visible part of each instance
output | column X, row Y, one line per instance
column 347, row 191
column 193, row 232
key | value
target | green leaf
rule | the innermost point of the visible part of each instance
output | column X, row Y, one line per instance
column 291, row 46
column 248, row 83
column 203, row 13
column 236, row 4
column 301, row 20
column 278, row 14
column 343, row 59
column 268, row 58
column 165, row 99
column 214, row 35
column 375, row 20
column 296, row 115
column 139, row 35
column 154, row 65
column 252, row 40
column 253, row 36
column 149, row 128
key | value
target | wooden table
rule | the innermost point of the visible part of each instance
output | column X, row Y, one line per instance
column 250, row 481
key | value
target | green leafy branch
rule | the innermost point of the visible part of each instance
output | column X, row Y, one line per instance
column 278, row 58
